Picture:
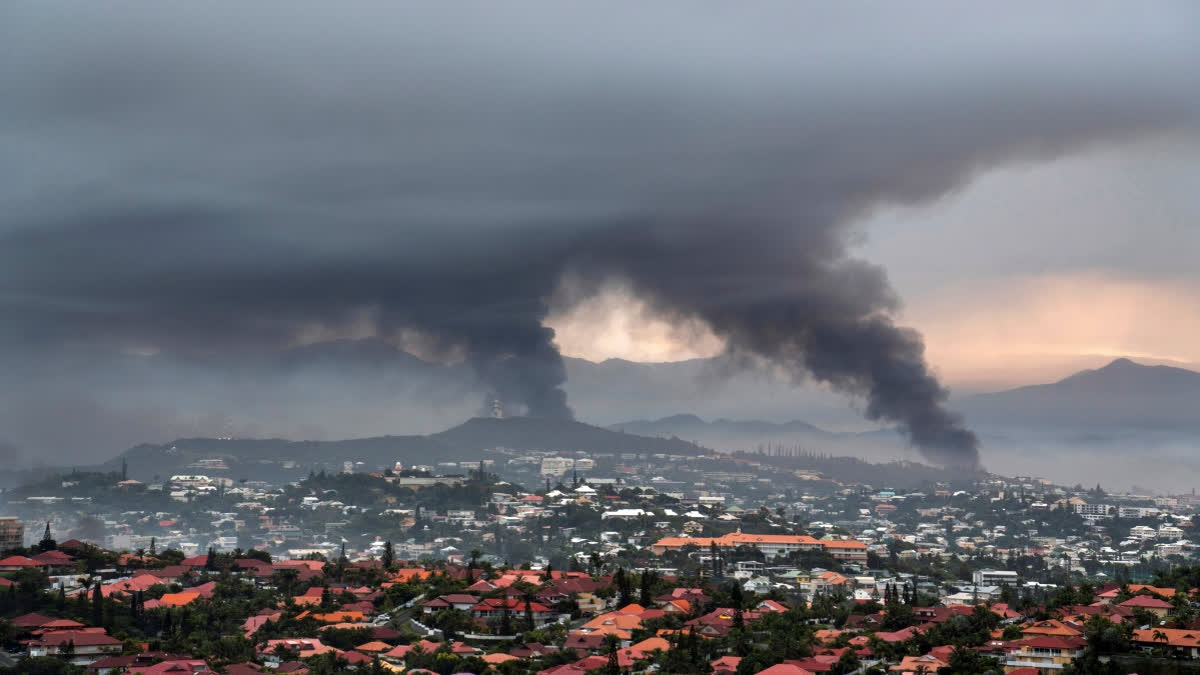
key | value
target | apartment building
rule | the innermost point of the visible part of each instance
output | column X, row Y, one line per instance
column 12, row 533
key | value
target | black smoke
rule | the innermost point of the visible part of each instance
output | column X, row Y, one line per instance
column 212, row 184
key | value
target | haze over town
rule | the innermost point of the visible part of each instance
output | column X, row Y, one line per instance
column 811, row 318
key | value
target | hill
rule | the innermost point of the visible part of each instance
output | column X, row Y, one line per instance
column 1122, row 394
column 533, row 433
column 729, row 435
column 469, row 441
column 687, row 425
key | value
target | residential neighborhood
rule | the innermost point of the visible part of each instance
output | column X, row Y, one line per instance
column 638, row 563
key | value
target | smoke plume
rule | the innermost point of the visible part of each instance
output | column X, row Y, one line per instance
column 214, row 183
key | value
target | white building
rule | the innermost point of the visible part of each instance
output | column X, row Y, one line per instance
column 1095, row 510
column 624, row 514
column 1135, row 512
column 994, row 578
column 1169, row 532
column 557, row 466
column 1142, row 532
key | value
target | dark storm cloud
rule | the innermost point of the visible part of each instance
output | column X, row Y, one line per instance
column 218, row 179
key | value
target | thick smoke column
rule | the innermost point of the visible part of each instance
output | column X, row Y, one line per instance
column 787, row 293
column 216, row 184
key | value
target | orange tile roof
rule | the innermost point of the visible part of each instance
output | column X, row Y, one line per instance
column 645, row 647
column 340, row 617
column 1050, row 627
column 411, row 574
column 1176, row 637
column 614, row 620
column 178, row 599
column 734, row 539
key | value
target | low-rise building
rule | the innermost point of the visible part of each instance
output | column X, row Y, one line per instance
column 1045, row 653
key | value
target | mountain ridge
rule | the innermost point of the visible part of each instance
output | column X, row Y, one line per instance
column 1122, row 393
column 468, row 441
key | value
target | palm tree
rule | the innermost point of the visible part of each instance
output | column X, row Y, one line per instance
column 612, row 642
column 1159, row 636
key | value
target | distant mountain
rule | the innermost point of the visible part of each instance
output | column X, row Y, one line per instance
column 1122, row 394
column 753, row 435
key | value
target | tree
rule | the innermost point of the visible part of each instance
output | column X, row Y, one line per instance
column 847, row 663
column 389, row 555
column 613, row 666
column 715, row 554
column 210, row 563
column 97, row 606
column 506, row 627
column 966, row 661
column 646, row 596
column 47, row 543
column 624, row 587
column 1161, row 637
column 528, row 598
column 66, row 650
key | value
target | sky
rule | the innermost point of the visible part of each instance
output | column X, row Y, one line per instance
column 878, row 200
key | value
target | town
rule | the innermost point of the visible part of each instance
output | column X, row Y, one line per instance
column 574, row 562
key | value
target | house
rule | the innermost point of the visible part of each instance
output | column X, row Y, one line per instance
column 587, row 643
column 646, row 648
column 253, row 623
column 1175, row 641
column 133, row 663
column 53, row 559
column 590, row 603
column 460, row 601
column 171, row 574
column 927, row 663
column 173, row 667
column 31, row 621
column 726, row 665
column 243, row 669
column 761, row 585
column 1051, row 628
column 173, row 600
column 1046, row 653
column 1155, row 606
column 514, row 607
column 785, row 669
column 15, row 563
column 88, row 646
column 771, row 545
column 59, row 624
column 305, row 647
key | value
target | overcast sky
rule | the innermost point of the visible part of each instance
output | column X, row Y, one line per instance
column 790, row 181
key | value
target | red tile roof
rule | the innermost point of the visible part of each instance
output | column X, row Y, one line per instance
column 80, row 638
column 1147, row 601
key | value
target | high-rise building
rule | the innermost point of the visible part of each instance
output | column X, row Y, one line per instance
column 12, row 533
